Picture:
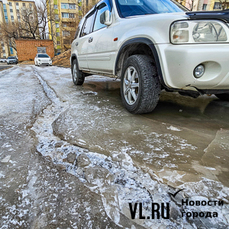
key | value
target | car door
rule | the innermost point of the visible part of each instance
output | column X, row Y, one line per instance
column 81, row 43
column 101, row 53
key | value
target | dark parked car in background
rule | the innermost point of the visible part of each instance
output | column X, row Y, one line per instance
column 12, row 60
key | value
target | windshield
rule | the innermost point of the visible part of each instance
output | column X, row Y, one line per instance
column 129, row 8
column 11, row 57
column 43, row 56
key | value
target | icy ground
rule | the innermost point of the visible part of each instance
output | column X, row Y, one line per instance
column 72, row 157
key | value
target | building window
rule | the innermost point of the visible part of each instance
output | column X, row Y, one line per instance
column 58, row 42
column 56, row 17
column 41, row 49
column 71, row 15
column 55, row 7
column 66, row 33
column 10, row 3
column 4, row 6
column 204, row 7
column 72, row 6
column 217, row 6
column 57, row 34
column 23, row 4
column 18, row 17
column 17, row 4
column 12, row 18
column 11, row 10
column 64, row 5
column 30, row 5
column 11, row 50
column 67, row 42
column 57, row 25
column 65, row 15
column 64, row 25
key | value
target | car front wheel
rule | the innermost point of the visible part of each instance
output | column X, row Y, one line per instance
column 224, row 96
column 77, row 75
column 140, row 86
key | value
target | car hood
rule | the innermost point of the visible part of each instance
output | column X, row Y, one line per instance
column 153, row 26
column 219, row 15
column 157, row 26
column 177, row 14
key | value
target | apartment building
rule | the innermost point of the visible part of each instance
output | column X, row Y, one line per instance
column 66, row 15
column 10, row 12
column 199, row 5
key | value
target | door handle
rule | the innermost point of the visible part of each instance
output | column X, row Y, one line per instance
column 90, row 39
column 77, row 43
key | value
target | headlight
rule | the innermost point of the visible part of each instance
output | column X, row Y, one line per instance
column 198, row 32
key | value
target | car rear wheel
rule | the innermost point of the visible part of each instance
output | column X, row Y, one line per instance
column 77, row 75
column 224, row 96
column 140, row 86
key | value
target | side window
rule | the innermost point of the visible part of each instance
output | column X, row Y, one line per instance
column 102, row 7
column 87, row 25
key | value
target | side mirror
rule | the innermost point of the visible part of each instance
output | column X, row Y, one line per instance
column 105, row 18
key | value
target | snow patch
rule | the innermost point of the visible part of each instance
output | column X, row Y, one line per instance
column 173, row 128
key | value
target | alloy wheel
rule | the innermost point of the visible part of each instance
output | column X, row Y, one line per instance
column 131, row 85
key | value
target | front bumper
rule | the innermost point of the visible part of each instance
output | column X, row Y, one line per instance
column 45, row 63
column 12, row 62
column 179, row 61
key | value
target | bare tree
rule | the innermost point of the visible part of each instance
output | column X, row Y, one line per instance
column 29, row 25
column 224, row 4
column 32, row 24
column 45, row 16
column 36, row 26
column 9, row 32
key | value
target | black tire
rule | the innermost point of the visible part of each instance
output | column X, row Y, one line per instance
column 77, row 75
column 141, row 93
column 224, row 96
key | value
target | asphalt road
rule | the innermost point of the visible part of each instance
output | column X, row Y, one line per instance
column 4, row 66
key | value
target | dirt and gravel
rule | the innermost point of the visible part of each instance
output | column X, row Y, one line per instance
column 63, row 59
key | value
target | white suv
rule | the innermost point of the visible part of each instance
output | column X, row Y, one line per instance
column 153, row 45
